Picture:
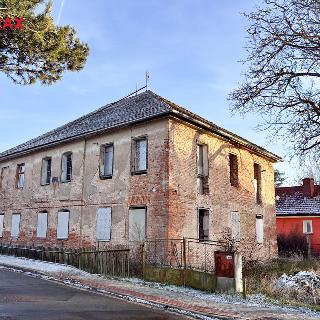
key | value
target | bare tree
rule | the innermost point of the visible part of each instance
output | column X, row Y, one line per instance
column 282, row 81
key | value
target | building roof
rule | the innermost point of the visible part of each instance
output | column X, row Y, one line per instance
column 132, row 109
column 294, row 201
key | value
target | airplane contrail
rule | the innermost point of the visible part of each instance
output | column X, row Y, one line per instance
column 60, row 11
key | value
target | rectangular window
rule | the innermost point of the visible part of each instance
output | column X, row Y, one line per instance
column 104, row 224
column 66, row 167
column 235, row 225
column 1, row 224
column 42, row 224
column 257, row 182
column 15, row 225
column 202, row 168
column 63, row 225
column 137, row 224
column 46, row 171
column 20, row 175
column 106, row 161
column 4, row 178
column 259, row 228
column 203, row 224
column 307, row 227
column 233, row 167
column 140, row 161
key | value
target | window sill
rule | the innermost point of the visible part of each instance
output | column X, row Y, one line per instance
column 99, row 240
column 45, row 184
column 65, row 181
column 105, row 177
column 139, row 172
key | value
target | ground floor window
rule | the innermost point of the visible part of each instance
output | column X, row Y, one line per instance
column 259, row 228
column 104, row 224
column 307, row 226
column 137, row 224
column 15, row 226
column 42, row 224
column 203, row 224
column 235, row 225
column 1, row 224
column 63, row 225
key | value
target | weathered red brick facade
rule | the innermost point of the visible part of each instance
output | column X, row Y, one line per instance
column 168, row 189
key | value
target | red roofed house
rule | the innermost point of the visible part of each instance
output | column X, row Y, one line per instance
column 298, row 211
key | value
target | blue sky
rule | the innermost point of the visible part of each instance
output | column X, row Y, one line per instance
column 190, row 48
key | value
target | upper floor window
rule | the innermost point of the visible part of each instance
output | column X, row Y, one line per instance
column 257, row 182
column 140, row 155
column 46, row 171
column 233, row 167
column 106, row 161
column 20, row 175
column 4, row 177
column 202, row 168
column 66, row 167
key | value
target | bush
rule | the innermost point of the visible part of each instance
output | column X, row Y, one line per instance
column 292, row 244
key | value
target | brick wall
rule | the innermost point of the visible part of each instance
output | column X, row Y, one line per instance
column 184, row 200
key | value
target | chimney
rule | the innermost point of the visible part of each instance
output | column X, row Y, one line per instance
column 308, row 187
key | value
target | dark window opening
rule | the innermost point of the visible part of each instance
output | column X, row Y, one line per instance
column 106, row 161
column 203, row 169
column 233, row 166
column 203, row 225
column 257, row 183
column 66, row 166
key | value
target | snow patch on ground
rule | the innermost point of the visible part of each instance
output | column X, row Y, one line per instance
column 83, row 280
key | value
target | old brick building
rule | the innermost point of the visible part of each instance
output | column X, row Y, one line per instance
column 140, row 167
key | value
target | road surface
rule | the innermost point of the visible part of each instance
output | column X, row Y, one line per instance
column 26, row 298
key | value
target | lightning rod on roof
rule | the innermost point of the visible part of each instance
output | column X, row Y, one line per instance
column 147, row 79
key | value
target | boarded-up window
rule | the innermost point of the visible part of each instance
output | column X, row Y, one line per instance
column 257, row 182
column 20, row 175
column 63, row 225
column 140, row 152
column 235, row 225
column 46, row 171
column 203, row 225
column 42, row 224
column 15, row 225
column 106, row 161
column 137, row 224
column 259, row 228
column 1, row 224
column 104, row 224
column 307, row 226
column 233, row 167
column 66, row 167
column 202, row 168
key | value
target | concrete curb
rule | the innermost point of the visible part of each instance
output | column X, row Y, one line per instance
column 131, row 298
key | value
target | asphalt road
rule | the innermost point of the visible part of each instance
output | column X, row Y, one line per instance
column 25, row 297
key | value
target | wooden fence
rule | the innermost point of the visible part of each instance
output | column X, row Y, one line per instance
column 114, row 262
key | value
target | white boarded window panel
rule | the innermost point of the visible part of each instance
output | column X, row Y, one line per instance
column 15, row 227
column 235, row 225
column 141, row 155
column 137, row 224
column 1, row 225
column 259, row 229
column 108, row 160
column 42, row 225
column 104, row 224
column 63, row 225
